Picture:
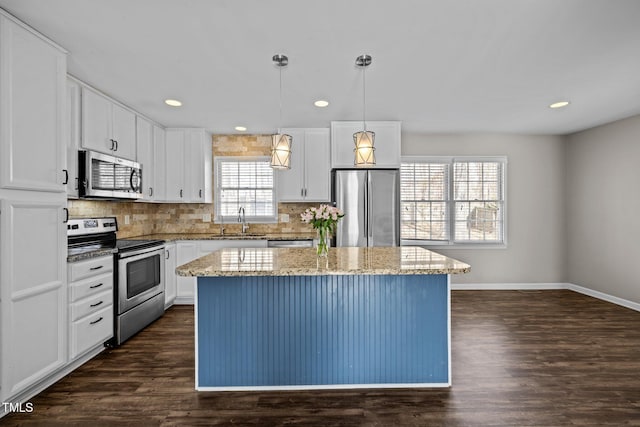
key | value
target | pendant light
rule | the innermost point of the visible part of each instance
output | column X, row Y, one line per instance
column 280, row 143
column 364, row 140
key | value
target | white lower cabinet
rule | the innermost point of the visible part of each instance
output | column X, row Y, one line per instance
column 90, row 304
column 170, row 284
column 189, row 250
column 33, row 295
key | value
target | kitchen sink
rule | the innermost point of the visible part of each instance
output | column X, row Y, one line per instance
column 239, row 235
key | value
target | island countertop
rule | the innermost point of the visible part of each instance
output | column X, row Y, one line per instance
column 408, row 260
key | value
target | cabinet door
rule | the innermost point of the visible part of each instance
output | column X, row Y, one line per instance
column 174, row 166
column 186, row 252
column 33, row 323
column 387, row 143
column 145, row 156
column 317, row 177
column 96, row 122
column 290, row 183
column 32, row 106
column 170, row 284
column 159, row 164
column 72, row 137
column 123, row 131
column 196, row 157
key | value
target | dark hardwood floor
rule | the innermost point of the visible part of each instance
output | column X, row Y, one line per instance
column 520, row 358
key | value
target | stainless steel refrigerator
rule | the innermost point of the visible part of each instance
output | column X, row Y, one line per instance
column 370, row 199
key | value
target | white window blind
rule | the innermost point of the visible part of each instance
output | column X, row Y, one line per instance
column 478, row 201
column 452, row 200
column 245, row 183
column 424, row 201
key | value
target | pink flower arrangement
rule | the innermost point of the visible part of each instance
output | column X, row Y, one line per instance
column 324, row 217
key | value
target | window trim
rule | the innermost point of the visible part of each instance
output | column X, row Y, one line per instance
column 253, row 219
column 452, row 243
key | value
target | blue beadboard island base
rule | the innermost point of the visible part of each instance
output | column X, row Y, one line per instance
column 304, row 332
column 282, row 319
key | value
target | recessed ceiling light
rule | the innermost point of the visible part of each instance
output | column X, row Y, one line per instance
column 173, row 102
column 241, row 128
column 559, row 104
column 321, row 103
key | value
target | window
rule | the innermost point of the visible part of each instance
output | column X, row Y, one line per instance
column 452, row 200
column 244, row 182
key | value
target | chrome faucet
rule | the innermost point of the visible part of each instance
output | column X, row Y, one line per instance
column 241, row 219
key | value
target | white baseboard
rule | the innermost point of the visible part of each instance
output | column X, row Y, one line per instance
column 605, row 297
column 545, row 286
column 506, row 286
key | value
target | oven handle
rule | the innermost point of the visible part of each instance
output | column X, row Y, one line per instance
column 142, row 253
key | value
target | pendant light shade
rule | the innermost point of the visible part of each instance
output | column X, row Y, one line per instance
column 364, row 150
column 281, row 143
column 364, row 140
column 281, row 151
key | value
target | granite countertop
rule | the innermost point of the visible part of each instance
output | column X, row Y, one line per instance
column 304, row 262
column 172, row 237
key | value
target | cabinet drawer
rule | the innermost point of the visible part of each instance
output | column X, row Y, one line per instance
column 81, row 269
column 90, row 286
column 91, row 304
column 91, row 331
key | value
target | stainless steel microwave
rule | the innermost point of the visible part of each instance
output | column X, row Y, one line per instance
column 105, row 176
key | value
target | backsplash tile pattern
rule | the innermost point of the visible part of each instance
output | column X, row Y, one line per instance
column 151, row 218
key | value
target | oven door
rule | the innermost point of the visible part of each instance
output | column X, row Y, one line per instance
column 140, row 276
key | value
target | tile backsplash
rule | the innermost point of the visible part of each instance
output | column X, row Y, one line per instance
column 150, row 218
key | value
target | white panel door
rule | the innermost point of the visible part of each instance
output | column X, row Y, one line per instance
column 33, row 292
column 174, row 165
column 72, row 137
column 123, row 131
column 290, row 183
column 96, row 122
column 186, row 252
column 32, row 106
column 170, row 277
column 159, row 164
column 317, row 177
column 145, row 156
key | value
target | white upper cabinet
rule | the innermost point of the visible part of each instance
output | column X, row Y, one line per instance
column 309, row 178
column 174, row 166
column 72, row 137
column 32, row 109
column 145, row 156
column 107, row 127
column 387, row 143
column 188, row 166
column 159, row 164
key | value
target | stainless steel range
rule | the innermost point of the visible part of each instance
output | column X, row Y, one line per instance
column 138, row 267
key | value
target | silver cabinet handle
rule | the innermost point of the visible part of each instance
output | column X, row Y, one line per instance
column 96, row 286
column 96, row 304
column 113, row 144
column 96, row 321
column 66, row 177
column 116, row 146
column 166, row 254
column 96, row 268
column 66, row 216
column 200, row 193
column 181, row 193
column 150, row 191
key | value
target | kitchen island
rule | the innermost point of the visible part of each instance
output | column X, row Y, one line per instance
column 274, row 319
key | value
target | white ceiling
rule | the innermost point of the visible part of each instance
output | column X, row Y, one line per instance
column 439, row 66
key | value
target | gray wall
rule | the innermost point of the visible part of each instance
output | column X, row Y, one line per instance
column 603, row 208
column 536, row 232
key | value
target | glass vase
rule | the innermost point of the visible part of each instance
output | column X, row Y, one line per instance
column 322, row 249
